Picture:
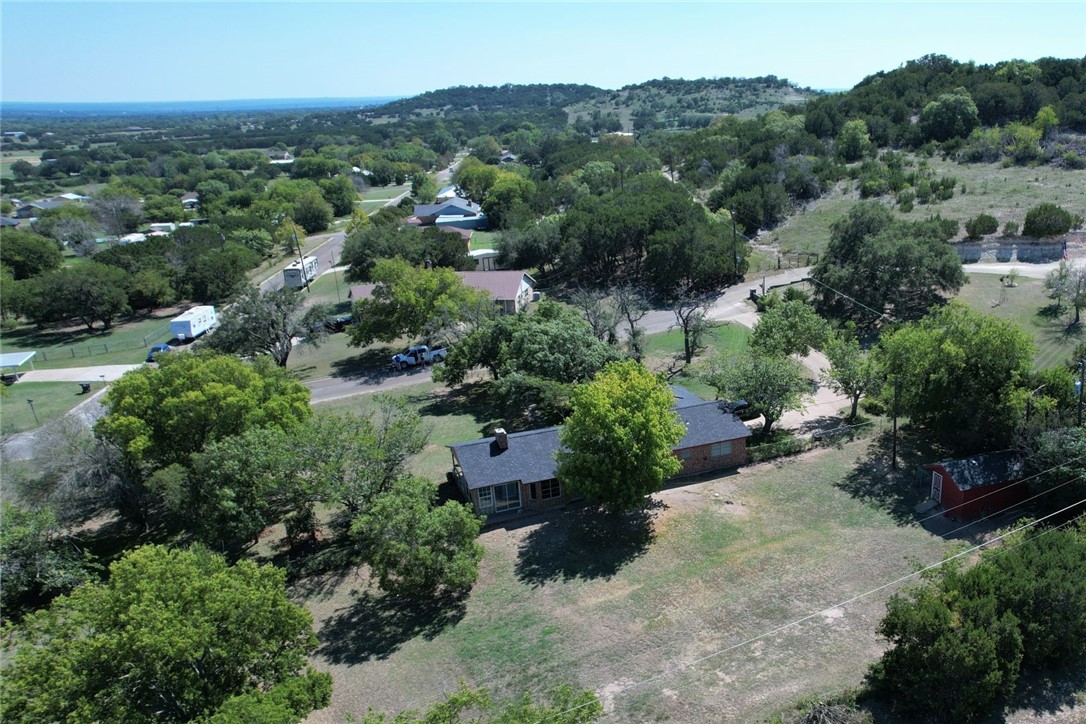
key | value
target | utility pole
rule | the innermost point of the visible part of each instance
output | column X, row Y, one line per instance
column 893, row 454
column 332, row 265
column 301, row 260
column 735, row 246
column 1081, row 382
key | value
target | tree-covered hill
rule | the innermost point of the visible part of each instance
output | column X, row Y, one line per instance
column 678, row 103
column 508, row 97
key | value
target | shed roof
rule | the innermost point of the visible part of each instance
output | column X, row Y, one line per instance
column 530, row 455
column 15, row 359
column 499, row 284
column 982, row 470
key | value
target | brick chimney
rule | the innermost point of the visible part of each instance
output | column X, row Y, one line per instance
column 502, row 438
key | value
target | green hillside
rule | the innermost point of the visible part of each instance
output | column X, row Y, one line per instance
column 677, row 103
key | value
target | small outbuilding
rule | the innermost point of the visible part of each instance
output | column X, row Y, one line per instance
column 11, row 362
column 974, row 487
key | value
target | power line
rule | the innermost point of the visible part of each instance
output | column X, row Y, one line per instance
column 824, row 610
column 882, row 315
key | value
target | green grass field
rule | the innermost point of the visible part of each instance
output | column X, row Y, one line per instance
column 125, row 343
column 330, row 289
column 601, row 602
column 51, row 400
column 384, row 193
column 484, row 240
column 1027, row 306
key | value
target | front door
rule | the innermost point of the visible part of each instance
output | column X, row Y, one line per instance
column 936, row 487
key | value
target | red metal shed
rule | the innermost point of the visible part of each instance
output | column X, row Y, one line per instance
column 977, row 486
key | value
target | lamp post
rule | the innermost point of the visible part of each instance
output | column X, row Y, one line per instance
column 36, row 420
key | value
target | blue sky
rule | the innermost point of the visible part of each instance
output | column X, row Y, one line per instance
column 156, row 51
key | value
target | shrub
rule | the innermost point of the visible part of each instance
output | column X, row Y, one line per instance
column 905, row 199
column 1010, row 228
column 873, row 406
column 981, row 225
column 1073, row 161
column 1047, row 220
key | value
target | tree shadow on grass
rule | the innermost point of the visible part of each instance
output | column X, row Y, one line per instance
column 473, row 398
column 372, row 364
column 585, row 543
column 376, row 625
column 1049, row 690
column 898, row 492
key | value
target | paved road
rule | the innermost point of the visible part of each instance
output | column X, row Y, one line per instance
column 108, row 373
column 331, row 245
column 1033, row 271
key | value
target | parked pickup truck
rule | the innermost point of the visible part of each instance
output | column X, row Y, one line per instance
column 420, row 354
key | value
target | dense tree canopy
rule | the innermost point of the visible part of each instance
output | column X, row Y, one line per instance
column 169, row 637
column 617, row 444
column 366, row 245
column 771, row 384
column 957, row 365
column 411, row 302
column 269, row 323
column 161, row 415
column 877, row 265
column 28, row 254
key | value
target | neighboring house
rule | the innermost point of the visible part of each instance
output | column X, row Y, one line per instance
column 973, row 487
column 164, row 227
column 511, row 290
column 456, row 211
column 31, row 210
column 77, row 198
column 133, row 238
column 446, row 193
column 276, row 154
column 513, row 472
column 8, row 222
column 508, row 157
column 485, row 259
column 190, row 201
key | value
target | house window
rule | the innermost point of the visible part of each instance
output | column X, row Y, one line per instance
column 506, row 496
column 685, row 454
column 721, row 449
column 533, row 492
column 550, row 489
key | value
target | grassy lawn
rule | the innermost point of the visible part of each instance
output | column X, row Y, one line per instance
column 384, row 193
column 335, row 357
column 484, row 240
column 601, row 602
column 330, row 289
column 51, row 400
column 808, row 232
column 662, row 350
column 125, row 343
column 1028, row 307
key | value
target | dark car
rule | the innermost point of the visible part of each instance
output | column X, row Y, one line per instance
column 338, row 323
column 741, row 409
column 157, row 350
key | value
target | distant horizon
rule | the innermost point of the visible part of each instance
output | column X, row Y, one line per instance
column 91, row 52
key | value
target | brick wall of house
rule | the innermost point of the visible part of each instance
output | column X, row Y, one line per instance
column 701, row 460
column 539, row 504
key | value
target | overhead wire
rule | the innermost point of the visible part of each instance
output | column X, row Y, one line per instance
column 822, row 611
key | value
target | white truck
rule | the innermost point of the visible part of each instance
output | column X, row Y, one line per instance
column 300, row 272
column 194, row 322
column 417, row 355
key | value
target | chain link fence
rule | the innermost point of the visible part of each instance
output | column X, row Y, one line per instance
column 79, row 351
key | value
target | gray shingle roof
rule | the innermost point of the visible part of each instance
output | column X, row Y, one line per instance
column 684, row 397
column 982, row 470
column 455, row 206
column 530, row 456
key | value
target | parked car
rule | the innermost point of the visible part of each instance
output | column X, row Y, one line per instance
column 337, row 324
column 741, row 409
column 417, row 355
column 157, row 350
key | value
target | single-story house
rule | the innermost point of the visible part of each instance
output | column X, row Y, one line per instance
column 190, row 201
column 454, row 212
column 973, row 487
column 445, row 193
column 31, row 210
column 7, row 221
column 511, row 290
column 512, row 472
column 133, row 238
column 508, row 157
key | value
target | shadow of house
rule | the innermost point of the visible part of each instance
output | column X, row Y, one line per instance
column 375, row 626
column 585, row 544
